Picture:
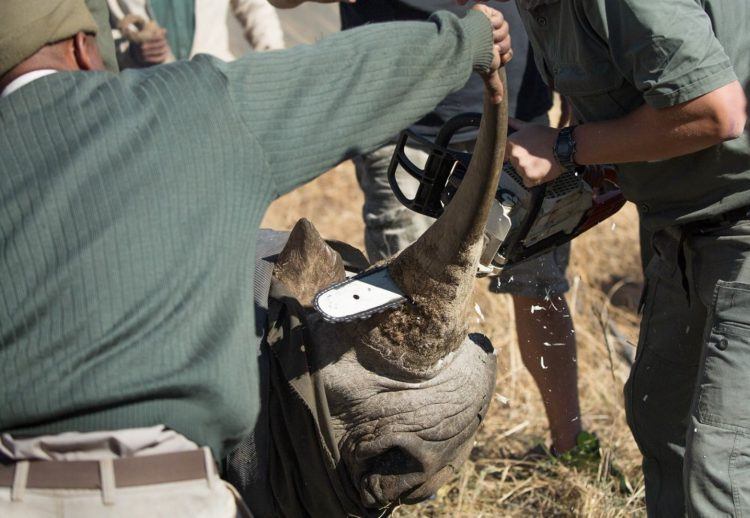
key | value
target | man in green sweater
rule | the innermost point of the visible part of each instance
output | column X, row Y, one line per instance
column 130, row 211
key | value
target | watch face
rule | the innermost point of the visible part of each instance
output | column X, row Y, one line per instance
column 564, row 148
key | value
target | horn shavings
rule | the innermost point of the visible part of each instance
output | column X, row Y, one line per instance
column 478, row 311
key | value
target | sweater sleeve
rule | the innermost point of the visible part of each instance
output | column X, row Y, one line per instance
column 311, row 107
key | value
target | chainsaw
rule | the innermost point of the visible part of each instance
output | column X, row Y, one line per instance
column 523, row 222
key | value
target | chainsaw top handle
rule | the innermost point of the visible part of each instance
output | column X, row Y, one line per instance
column 441, row 163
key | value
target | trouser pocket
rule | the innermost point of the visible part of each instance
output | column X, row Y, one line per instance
column 718, row 461
column 724, row 384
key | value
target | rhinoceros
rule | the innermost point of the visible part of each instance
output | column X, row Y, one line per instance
column 361, row 416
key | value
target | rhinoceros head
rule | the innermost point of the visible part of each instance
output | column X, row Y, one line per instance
column 407, row 388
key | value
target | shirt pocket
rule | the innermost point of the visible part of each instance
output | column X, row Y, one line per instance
column 723, row 390
column 596, row 89
column 581, row 80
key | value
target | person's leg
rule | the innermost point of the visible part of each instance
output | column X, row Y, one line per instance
column 548, row 348
column 547, row 339
column 644, row 237
column 717, row 460
column 389, row 226
column 659, row 391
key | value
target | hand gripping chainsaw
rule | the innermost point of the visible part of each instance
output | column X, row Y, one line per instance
column 523, row 222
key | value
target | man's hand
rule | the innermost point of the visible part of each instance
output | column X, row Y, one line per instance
column 530, row 151
column 155, row 50
column 502, row 50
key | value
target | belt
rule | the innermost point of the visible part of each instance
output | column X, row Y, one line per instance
column 704, row 226
column 128, row 472
column 729, row 217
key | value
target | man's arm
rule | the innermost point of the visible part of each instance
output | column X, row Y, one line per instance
column 644, row 135
column 311, row 107
column 657, row 134
column 692, row 99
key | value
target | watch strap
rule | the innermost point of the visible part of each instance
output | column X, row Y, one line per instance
column 565, row 148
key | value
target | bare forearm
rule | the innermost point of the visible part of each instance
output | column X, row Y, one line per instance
column 646, row 134
column 649, row 134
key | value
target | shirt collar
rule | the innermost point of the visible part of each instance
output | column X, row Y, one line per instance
column 25, row 79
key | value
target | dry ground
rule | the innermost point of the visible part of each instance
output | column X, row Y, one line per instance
column 605, row 275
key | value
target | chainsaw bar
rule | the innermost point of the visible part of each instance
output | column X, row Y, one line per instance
column 359, row 297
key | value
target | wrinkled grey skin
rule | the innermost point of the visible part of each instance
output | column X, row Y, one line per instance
column 402, row 439
column 401, row 436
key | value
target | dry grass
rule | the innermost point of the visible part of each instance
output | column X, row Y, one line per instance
column 605, row 274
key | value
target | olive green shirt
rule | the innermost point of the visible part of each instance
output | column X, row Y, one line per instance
column 611, row 56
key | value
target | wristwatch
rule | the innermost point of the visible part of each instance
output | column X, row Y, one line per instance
column 565, row 148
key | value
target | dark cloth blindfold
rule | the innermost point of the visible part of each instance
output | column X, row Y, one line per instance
column 307, row 475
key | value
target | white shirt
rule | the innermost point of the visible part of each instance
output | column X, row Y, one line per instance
column 25, row 79
column 226, row 29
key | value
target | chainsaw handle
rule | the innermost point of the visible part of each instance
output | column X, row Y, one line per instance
column 399, row 158
column 597, row 175
column 454, row 125
column 432, row 179
column 441, row 163
column 457, row 123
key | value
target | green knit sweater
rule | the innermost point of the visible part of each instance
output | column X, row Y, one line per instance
column 130, row 209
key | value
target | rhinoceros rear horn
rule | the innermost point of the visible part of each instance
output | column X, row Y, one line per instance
column 307, row 263
column 437, row 272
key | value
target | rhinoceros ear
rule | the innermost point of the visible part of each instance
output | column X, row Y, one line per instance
column 307, row 264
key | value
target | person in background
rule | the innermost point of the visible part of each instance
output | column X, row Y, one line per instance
column 223, row 28
column 538, row 286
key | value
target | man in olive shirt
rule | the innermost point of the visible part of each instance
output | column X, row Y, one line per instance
column 657, row 86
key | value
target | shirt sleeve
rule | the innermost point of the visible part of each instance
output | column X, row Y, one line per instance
column 312, row 107
column 666, row 48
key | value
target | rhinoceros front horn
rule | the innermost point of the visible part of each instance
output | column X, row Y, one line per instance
column 437, row 272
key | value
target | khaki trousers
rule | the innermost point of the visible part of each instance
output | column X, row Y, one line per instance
column 206, row 497
column 194, row 499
